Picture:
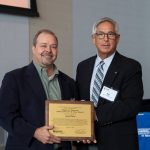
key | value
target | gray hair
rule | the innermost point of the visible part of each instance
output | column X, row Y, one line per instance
column 106, row 19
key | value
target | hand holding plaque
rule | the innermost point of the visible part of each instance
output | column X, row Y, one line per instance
column 72, row 120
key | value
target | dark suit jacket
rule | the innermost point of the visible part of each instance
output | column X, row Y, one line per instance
column 22, row 107
column 116, row 126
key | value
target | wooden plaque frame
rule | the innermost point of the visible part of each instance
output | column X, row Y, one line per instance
column 72, row 120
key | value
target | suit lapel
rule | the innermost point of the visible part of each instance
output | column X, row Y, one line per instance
column 64, row 87
column 89, row 70
column 89, row 76
column 113, row 71
column 35, row 82
column 111, row 74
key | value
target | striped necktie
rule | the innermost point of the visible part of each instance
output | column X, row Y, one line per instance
column 97, row 83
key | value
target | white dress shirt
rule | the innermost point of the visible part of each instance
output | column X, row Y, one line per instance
column 107, row 62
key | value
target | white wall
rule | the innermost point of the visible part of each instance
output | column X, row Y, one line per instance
column 133, row 18
column 14, row 43
column 14, row 48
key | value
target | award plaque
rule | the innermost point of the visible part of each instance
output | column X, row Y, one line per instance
column 72, row 120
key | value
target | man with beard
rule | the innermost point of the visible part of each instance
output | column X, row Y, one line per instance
column 23, row 94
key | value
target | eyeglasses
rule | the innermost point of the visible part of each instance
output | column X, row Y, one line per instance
column 110, row 35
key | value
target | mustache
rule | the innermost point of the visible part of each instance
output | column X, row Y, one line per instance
column 45, row 54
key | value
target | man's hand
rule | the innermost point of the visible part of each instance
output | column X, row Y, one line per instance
column 88, row 141
column 43, row 135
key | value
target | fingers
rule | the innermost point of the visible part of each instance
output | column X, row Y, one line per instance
column 95, row 141
column 43, row 135
column 53, row 139
column 48, row 127
column 87, row 141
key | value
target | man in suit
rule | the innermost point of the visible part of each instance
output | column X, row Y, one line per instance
column 120, row 91
column 23, row 94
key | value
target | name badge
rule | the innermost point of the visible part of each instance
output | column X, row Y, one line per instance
column 108, row 93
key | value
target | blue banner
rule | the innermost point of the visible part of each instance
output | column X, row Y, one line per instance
column 143, row 125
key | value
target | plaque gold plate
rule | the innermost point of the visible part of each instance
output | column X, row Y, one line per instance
column 72, row 119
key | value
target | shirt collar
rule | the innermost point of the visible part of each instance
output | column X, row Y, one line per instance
column 107, row 60
column 41, row 70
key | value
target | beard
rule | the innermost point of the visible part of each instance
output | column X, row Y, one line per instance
column 47, row 59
